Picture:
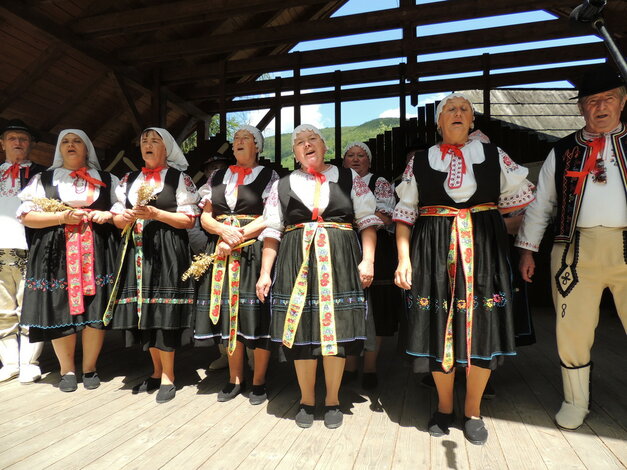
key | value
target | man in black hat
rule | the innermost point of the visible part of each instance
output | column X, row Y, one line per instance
column 18, row 355
column 585, row 178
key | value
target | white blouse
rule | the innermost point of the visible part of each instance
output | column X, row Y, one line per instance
column 186, row 193
column 303, row 185
column 602, row 205
column 230, row 192
column 515, row 190
column 13, row 235
column 383, row 193
column 74, row 192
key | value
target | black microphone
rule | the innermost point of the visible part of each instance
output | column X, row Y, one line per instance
column 588, row 11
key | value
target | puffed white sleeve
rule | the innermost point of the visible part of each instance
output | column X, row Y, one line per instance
column 187, row 196
column 266, row 192
column 205, row 191
column 384, row 195
column 272, row 215
column 115, row 183
column 406, row 210
column 539, row 212
column 119, row 196
column 34, row 189
column 364, row 204
column 516, row 190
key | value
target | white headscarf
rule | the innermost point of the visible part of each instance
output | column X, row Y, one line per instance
column 307, row 127
column 361, row 145
column 440, row 107
column 256, row 133
column 175, row 158
column 92, row 158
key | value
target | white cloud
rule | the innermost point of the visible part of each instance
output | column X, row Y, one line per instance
column 396, row 113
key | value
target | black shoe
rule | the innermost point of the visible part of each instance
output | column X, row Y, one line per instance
column 230, row 391
column 166, row 393
column 91, row 381
column 333, row 417
column 369, row 380
column 305, row 416
column 348, row 376
column 68, row 383
column 258, row 395
column 490, row 392
column 475, row 431
column 148, row 385
column 440, row 423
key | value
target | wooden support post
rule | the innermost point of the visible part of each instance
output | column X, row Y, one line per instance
column 402, row 102
column 297, row 114
column 223, row 99
column 338, row 117
column 485, row 62
column 277, row 122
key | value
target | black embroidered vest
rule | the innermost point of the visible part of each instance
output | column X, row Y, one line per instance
column 166, row 199
column 570, row 154
column 102, row 203
column 249, row 201
column 340, row 208
column 431, row 182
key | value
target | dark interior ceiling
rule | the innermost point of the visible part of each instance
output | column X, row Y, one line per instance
column 111, row 68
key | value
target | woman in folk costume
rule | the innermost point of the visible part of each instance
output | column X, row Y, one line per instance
column 154, row 206
column 318, row 302
column 227, row 308
column 72, row 257
column 385, row 298
column 455, row 270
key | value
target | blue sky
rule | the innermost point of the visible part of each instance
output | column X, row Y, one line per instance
column 354, row 113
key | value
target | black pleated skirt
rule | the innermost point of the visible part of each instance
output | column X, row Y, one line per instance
column 349, row 300
column 253, row 324
column 429, row 299
column 46, row 309
column 167, row 301
column 386, row 297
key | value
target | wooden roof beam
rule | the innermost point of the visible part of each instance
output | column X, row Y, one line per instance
column 175, row 14
column 425, row 69
column 17, row 12
column 543, row 30
column 128, row 102
column 326, row 28
column 31, row 74
column 435, row 86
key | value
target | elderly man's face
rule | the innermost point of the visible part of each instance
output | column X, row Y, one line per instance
column 602, row 111
column 16, row 145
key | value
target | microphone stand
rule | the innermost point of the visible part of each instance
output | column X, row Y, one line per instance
column 590, row 12
column 599, row 25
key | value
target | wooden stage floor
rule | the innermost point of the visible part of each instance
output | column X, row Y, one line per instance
column 109, row 428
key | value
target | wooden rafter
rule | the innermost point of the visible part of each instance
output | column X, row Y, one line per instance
column 434, row 86
column 18, row 13
column 128, row 102
column 31, row 74
column 325, row 28
column 543, row 30
column 425, row 69
column 176, row 14
column 77, row 99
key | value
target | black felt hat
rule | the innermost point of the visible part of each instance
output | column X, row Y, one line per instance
column 599, row 79
column 19, row 125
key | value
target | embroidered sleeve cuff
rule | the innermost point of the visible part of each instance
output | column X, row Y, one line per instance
column 526, row 245
column 25, row 208
column 270, row 233
column 405, row 216
column 520, row 199
column 189, row 209
column 368, row 221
